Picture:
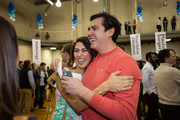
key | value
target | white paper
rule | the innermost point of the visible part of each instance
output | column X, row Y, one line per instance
column 36, row 51
column 160, row 39
column 135, row 46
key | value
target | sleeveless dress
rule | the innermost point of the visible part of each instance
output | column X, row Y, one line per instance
column 60, row 105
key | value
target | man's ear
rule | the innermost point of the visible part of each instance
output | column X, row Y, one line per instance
column 166, row 59
column 111, row 31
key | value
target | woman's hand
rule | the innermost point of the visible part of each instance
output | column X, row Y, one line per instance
column 119, row 83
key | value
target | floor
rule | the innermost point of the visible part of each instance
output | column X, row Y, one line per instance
column 41, row 114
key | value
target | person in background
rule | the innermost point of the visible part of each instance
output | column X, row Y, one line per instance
column 167, row 79
column 173, row 23
column 177, row 65
column 27, row 87
column 165, row 24
column 65, row 53
column 40, row 85
column 158, row 24
column 126, row 27
column 9, row 82
column 102, row 35
column 150, row 94
column 129, row 28
column 134, row 26
column 120, row 28
column 20, row 66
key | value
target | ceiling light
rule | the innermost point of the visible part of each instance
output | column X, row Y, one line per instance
column 58, row 3
column 95, row 0
column 50, row 2
column 53, row 48
column 167, row 40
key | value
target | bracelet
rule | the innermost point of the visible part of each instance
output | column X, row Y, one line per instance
column 97, row 89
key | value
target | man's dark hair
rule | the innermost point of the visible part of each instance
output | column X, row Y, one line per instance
column 108, row 23
column 42, row 63
column 149, row 55
column 26, row 64
column 164, row 54
column 20, row 62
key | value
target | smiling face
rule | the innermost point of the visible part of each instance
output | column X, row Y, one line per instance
column 172, row 58
column 97, row 35
column 81, row 55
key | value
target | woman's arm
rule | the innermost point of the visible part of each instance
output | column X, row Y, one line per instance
column 52, row 77
column 113, row 84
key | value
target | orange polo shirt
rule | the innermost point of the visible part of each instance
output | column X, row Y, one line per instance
column 120, row 105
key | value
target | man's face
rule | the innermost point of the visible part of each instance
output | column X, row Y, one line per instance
column 65, row 56
column 97, row 35
column 43, row 67
column 153, row 58
column 172, row 58
column 21, row 65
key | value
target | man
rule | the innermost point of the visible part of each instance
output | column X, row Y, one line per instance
column 103, row 33
column 20, row 65
column 40, row 85
column 65, row 53
column 149, row 88
column 27, row 84
column 167, row 80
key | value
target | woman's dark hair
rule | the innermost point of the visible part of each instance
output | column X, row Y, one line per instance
column 85, row 41
column 8, row 67
column 26, row 64
column 108, row 23
column 165, row 53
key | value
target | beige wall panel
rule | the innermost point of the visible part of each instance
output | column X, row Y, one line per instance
column 25, row 52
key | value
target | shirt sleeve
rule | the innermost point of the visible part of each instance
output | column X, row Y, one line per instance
column 36, row 76
column 123, row 105
column 145, row 81
column 31, row 79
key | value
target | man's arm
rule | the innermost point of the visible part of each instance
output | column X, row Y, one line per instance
column 113, row 84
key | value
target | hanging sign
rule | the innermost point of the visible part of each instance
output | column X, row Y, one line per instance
column 136, row 46
column 36, row 51
column 160, row 39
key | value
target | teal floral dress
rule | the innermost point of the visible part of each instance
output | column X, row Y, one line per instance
column 60, row 105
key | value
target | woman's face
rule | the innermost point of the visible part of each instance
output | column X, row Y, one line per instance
column 81, row 55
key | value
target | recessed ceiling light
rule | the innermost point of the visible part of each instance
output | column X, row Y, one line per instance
column 53, row 48
column 167, row 40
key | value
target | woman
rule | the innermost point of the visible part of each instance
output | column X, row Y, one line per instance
column 9, row 83
column 165, row 23
column 173, row 23
column 134, row 26
column 82, row 54
column 158, row 24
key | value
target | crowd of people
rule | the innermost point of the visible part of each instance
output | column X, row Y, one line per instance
column 161, row 76
column 159, row 23
column 128, row 27
column 100, row 80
